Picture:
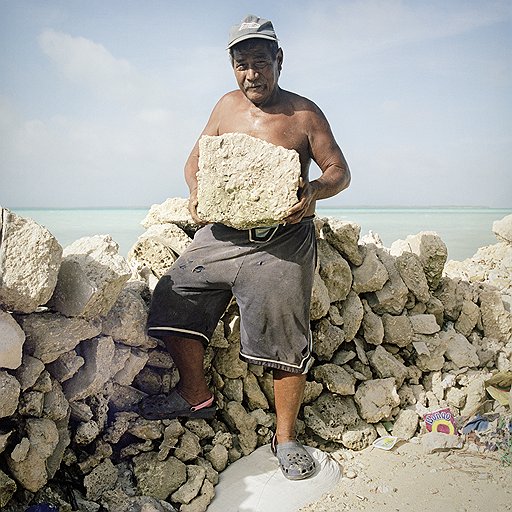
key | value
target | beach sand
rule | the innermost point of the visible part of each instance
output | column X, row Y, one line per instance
column 406, row 479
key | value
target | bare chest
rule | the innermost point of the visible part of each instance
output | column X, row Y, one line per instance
column 278, row 129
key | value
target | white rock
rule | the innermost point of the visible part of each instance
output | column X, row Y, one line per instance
column 386, row 365
column 424, row 324
column 9, row 394
column 98, row 354
column 503, row 229
column 172, row 211
column 126, row 321
column 91, row 277
column 431, row 250
column 406, row 424
column 344, row 237
column 491, row 264
column 244, row 181
column 11, row 341
column 371, row 275
column 393, row 295
column 49, row 335
column 459, row 349
column 334, row 271
column 433, row 442
column 376, row 399
column 29, row 262
column 158, row 248
column 496, row 320
column 31, row 472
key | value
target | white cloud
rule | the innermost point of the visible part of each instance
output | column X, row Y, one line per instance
column 74, row 162
column 86, row 62
column 352, row 29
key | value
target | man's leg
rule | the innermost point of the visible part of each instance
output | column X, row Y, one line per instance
column 288, row 395
column 188, row 356
column 296, row 463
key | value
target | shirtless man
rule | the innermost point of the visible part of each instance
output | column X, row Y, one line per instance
column 270, row 278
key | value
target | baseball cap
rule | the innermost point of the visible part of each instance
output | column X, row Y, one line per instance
column 251, row 27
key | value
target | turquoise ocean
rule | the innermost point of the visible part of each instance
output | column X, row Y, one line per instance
column 463, row 230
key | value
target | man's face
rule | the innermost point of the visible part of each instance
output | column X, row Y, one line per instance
column 256, row 72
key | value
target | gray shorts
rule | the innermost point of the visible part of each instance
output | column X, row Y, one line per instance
column 270, row 279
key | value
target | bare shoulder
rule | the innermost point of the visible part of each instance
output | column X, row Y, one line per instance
column 229, row 100
column 304, row 107
column 300, row 102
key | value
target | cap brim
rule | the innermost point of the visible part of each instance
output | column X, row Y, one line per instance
column 250, row 36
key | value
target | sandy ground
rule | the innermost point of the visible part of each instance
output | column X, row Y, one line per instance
column 407, row 479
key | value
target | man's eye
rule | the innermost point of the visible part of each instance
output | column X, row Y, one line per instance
column 240, row 67
column 261, row 64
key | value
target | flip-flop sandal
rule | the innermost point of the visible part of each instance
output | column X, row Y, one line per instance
column 173, row 405
column 294, row 460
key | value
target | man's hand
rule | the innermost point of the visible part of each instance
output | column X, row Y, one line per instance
column 192, row 208
column 307, row 194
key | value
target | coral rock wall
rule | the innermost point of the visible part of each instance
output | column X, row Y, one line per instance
column 396, row 332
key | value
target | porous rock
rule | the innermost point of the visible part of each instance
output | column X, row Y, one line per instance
column 43, row 438
column 392, row 297
column 101, row 479
column 406, row 424
column 376, row 399
column 173, row 210
column 91, row 277
column 327, row 338
column 158, row 478
column 344, row 237
column 459, row 349
column 98, row 354
column 373, row 327
column 30, row 370
column 320, row 301
column 7, row 488
column 334, row 271
column 335, row 378
column 371, row 275
column 331, row 416
column 245, row 182
column 468, row 318
column 9, row 394
column 503, row 229
column 411, row 271
column 126, row 321
column 29, row 263
column 386, row 365
column 424, row 324
column 11, row 341
column 352, row 312
column 158, row 248
column 397, row 329
column 359, row 437
column 49, row 335
column 430, row 249
column 496, row 320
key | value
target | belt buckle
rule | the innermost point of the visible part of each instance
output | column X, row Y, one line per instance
column 262, row 234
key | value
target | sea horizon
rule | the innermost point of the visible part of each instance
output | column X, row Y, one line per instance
column 464, row 229
column 319, row 206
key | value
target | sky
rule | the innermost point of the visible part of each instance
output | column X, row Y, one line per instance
column 102, row 101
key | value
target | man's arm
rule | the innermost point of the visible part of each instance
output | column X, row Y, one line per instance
column 324, row 150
